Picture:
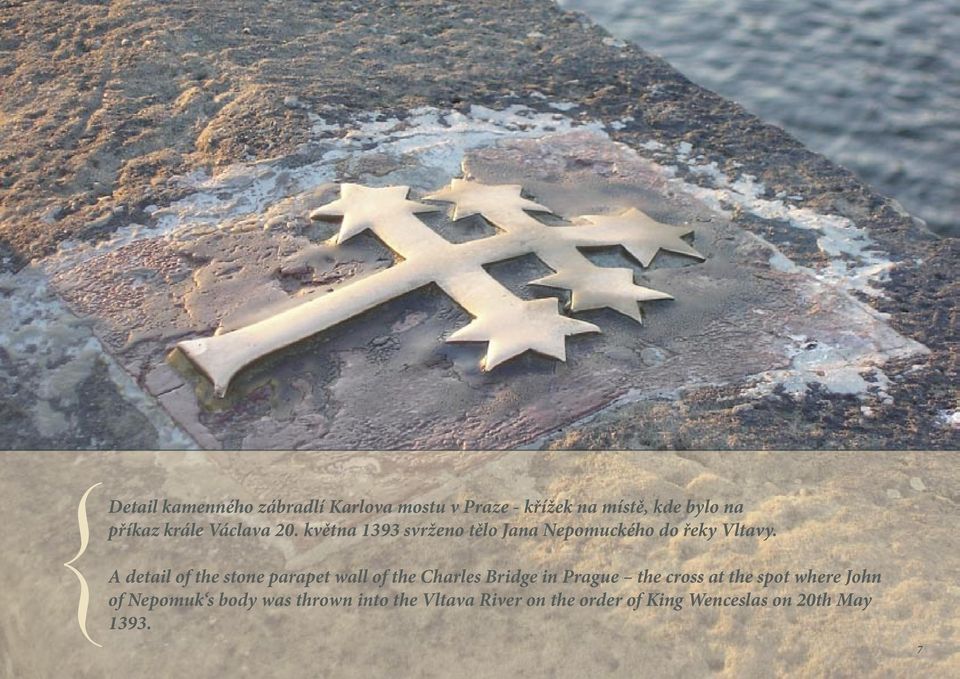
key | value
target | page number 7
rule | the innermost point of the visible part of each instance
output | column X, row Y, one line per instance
column 919, row 648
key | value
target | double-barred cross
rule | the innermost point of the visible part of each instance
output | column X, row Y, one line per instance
column 508, row 324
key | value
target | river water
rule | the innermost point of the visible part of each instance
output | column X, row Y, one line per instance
column 872, row 84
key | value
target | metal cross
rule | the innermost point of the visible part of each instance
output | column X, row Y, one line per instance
column 508, row 324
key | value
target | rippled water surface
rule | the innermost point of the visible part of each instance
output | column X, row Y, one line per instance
column 872, row 84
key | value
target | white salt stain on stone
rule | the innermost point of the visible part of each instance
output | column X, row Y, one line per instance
column 950, row 419
column 849, row 367
column 438, row 140
column 841, row 360
column 51, row 352
column 844, row 361
column 855, row 265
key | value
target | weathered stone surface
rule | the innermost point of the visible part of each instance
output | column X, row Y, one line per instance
column 825, row 316
column 388, row 380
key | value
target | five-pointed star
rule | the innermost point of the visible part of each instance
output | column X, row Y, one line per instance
column 362, row 207
column 644, row 237
column 511, row 330
column 471, row 198
column 600, row 287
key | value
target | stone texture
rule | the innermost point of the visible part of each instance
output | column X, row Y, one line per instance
column 101, row 139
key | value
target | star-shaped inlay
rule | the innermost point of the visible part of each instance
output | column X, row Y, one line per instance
column 644, row 237
column 363, row 208
column 473, row 198
column 530, row 325
column 599, row 287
